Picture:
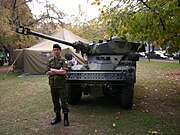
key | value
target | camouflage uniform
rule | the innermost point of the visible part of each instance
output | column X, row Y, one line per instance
column 58, row 84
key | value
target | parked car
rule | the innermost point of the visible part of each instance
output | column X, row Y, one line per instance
column 142, row 54
column 161, row 54
column 152, row 55
column 176, row 55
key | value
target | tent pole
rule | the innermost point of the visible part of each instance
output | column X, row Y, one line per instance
column 12, row 65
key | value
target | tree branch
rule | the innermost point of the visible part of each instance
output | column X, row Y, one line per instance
column 144, row 3
column 161, row 21
column 178, row 3
column 44, row 17
column 13, row 10
column 22, row 3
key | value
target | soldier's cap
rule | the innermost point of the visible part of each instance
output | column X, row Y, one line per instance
column 56, row 46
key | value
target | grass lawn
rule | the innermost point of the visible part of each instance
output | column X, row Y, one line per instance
column 26, row 106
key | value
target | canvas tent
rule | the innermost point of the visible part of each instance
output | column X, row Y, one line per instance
column 33, row 60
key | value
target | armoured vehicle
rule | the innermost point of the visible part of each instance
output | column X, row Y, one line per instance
column 110, row 68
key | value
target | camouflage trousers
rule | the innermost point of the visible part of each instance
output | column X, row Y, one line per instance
column 59, row 99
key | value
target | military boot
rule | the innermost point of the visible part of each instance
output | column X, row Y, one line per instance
column 66, row 121
column 56, row 119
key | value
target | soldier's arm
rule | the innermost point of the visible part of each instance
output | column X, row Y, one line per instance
column 50, row 73
column 62, row 71
column 59, row 71
column 48, row 68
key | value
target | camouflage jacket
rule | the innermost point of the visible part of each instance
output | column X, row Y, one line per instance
column 57, row 63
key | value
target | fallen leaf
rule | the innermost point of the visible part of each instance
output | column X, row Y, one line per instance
column 152, row 132
column 92, row 116
column 114, row 125
column 145, row 111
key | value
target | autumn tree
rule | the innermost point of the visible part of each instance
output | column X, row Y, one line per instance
column 17, row 12
column 154, row 21
column 14, row 13
column 86, row 28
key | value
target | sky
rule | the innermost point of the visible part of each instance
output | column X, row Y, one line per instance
column 70, row 7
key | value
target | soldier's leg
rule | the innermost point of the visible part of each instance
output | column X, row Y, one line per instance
column 56, row 103
column 63, row 97
column 55, row 99
column 64, row 104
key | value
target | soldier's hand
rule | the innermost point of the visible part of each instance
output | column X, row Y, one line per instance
column 50, row 73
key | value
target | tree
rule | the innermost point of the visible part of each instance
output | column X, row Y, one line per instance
column 155, row 21
column 13, row 13
column 88, row 29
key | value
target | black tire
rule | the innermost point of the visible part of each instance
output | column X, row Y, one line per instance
column 127, row 96
column 1, row 62
column 74, row 94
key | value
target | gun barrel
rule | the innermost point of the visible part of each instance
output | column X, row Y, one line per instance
column 110, row 47
column 27, row 31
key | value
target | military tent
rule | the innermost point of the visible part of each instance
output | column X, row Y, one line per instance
column 33, row 60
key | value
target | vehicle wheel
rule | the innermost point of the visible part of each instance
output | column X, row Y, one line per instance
column 74, row 94
column 127, row 96
column 1, row 62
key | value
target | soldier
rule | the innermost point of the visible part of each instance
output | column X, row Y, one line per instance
column 56, row 70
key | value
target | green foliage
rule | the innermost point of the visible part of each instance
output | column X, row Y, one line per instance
column 14, row 13
column 154, row 21
column 89, row 30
